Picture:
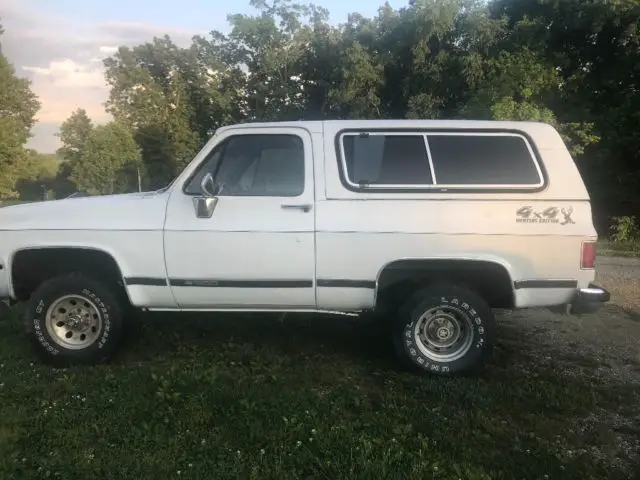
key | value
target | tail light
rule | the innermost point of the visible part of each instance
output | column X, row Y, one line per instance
column 588, row 258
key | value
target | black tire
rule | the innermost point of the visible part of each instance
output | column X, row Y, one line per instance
column 456, row 304
column 105, row 338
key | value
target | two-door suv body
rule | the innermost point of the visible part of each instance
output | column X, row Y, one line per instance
column 433, row 224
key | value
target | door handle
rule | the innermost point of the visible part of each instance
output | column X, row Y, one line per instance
column 305, row 207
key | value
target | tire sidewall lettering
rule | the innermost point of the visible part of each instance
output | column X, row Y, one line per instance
column 43, row 337
column 478, row 342
column 104, row 311
column 43, row 341
column 40, row 307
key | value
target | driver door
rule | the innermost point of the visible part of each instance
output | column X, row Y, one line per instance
column 257, row 248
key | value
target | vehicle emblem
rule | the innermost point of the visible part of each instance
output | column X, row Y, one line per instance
column 551, row 212
column 528, row 214
column 524, row 212
column 567, row 216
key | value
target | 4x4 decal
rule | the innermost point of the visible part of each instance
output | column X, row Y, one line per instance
column 550, row 215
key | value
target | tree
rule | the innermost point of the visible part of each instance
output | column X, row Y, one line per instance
column 74, row 132
column 271, row 47
column 570, row 63
column 595, row 48
column 38, row 176
column 18, row 106
column 109, row 162
column 357, row 93
column 151, row 94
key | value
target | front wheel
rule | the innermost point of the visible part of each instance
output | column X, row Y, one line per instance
column 445, row 330
column 74, row 319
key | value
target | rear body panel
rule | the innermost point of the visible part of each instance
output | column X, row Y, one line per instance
column 536, row 235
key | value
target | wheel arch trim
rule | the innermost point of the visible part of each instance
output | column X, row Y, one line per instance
column 122, row 266
column 493, row 259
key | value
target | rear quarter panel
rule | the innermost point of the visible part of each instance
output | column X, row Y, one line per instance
column 359, row 233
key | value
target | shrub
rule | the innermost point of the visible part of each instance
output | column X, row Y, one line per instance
column 625, row 230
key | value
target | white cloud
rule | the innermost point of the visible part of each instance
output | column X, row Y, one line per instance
column 69, row 73
column 63, row 59
column 108, row 50
column 64, row 85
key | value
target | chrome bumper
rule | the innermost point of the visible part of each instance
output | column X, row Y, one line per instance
column 585, row 300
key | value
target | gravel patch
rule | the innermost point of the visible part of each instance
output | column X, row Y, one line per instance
column 604, row 345
column 603, row 349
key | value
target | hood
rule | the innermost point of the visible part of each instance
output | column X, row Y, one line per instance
column 131, row 211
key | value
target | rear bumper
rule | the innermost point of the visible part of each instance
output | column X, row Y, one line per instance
column 589, row 300
column 585, row 300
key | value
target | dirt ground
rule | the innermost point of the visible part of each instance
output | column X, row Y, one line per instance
column 602, row 349
column 605, row 344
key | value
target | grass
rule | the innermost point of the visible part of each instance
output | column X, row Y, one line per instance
column 307, row 398
column 618, row 249
column 8, row 203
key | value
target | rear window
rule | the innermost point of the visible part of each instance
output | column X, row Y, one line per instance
column 466, row 159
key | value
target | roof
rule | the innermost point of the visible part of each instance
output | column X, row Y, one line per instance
column 319, row 125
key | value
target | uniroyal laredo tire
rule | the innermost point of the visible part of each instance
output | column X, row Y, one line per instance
column 434, row 317
column 84, row 306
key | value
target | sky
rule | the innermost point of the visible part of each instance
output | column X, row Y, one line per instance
column 59, row 45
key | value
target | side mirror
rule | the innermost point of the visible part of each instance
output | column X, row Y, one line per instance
column 206, row 204
column 208, row 186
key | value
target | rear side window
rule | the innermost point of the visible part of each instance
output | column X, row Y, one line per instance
column 387, row 159
column 482, row 160
column 447, row 160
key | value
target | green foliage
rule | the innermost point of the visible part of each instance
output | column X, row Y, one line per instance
column 360, row 79
column 74, row 132
column 156, row 91
column 578, row 136
column 38, row 176
column 18, row 106
column 625, row 230
column 109, row 162
column 572, row 64
column 595, row 48
column 518, row 87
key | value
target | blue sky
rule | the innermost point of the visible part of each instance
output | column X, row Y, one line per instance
column 59, row 44
column 197, row 14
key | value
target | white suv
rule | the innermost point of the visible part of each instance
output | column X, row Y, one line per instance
column 432, row 223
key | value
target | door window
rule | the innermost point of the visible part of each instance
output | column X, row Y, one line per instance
column 255, row 165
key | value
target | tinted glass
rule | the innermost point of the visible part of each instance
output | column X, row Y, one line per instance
column 257, row 165
column 482, row 160
column 387, row 159
column 208, row 166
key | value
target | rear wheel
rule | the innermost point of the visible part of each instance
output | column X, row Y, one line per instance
column 444, row 330
column 74, row 319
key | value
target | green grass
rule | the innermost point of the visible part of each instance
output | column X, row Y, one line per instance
column 618, row 249
column 307, row 398
column 7, row 203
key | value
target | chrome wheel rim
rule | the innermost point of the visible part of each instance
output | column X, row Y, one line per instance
column 73, row 322
column 444, row 333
